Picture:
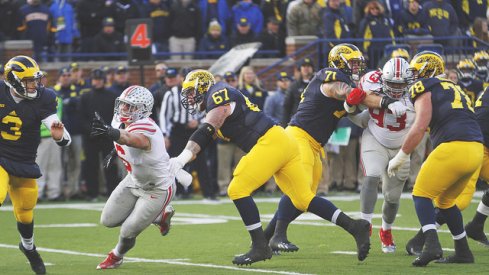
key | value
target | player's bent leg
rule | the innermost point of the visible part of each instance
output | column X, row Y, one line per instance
column 475, row 228
column 114, row 212
column 286, row 213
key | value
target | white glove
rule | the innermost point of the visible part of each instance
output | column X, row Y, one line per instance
column 396, row 163
column 397, row 108
column 175, row 166
column 184, row 178
column 349, row 109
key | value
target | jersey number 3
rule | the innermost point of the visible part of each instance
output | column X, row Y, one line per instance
column 13, row 123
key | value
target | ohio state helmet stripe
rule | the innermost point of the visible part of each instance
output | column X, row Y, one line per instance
column 398, row 68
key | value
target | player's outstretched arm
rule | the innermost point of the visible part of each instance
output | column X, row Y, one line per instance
column 57, row 129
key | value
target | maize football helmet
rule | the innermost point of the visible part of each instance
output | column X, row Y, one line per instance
column 401, row 53
column 466, row 69
column 396, row 77
column 135, row 103
column 194, row 88
column 481, row 60
column 347, row 58
column 20, row 73
column 427, row 64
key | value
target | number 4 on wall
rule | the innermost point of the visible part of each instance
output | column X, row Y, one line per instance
column 139, row 37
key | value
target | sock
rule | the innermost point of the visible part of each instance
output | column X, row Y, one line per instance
column 249, row 212
column 389, row 211
column 258, row 237
column 124, row 245
column 479, row 218
column 322, row 207
column 344, row 221
column 286, row 210
column 454, row 220
column 440, row 218
column 270, row 230
column 367, row 217
column 26, row 234
column 386, row 226
column 425, row 211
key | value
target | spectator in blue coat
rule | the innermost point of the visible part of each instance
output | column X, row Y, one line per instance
column 412, row 21
column 213, row 41
column 244, row 33
column 215, row 10
column 159, row 12
column 247, row 9
column 66, row 27
column 442, row 19
column 275, row 102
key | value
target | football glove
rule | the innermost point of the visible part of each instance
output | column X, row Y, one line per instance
column 100, row 128
column 397, row 108
column 355, row 97
column 396, row 162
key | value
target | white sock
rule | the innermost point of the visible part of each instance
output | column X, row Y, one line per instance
column 483, row 209
column 117, row 253
column 386, row 226
column 367, row 217
column 27, row 243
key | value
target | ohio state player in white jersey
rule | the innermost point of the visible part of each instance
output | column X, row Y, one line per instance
column 144, row 195
column 381, row 141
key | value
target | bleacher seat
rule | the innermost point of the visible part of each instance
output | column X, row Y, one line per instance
column 437, row 48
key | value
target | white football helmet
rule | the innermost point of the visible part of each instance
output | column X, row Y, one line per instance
column 396, row 77
column 371, row 82
column 135, row 103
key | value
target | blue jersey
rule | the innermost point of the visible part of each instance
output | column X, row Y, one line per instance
column 20, row 130
column 453, row 117
column 246, row 124
column 471, row 87
column 318, row 114
column 482, row 114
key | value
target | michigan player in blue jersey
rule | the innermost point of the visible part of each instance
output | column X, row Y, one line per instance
column 467, row 80
column 446, row 109
column 322, row 105
column 270, row 152
column 24, row 105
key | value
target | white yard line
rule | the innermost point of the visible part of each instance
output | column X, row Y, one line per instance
column 355, row 253
column 164, row 261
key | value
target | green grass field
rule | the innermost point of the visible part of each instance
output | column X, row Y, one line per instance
column 205, row 237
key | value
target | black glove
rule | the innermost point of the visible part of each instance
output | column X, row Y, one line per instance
column 109, row 158
column 99, row 128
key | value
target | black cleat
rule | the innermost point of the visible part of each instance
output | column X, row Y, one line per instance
column 254, row 255
column 476, row 232
column 360, row 229
column 34, row 258
column 415, row 245
column 431, row 250
column 457, row 259
column 278, row 244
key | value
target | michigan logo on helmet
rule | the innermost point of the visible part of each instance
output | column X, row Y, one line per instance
column 135, row 103
column 402, row 53
column 427, row 64
column 466, row 69
column 194, row 88
column 23, row 75
column 481, row 60
column 396, row 77
column 347, row 58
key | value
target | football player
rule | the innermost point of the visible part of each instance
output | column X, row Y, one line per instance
column 481, row 60
column 381, row 140
column 467, row 80
column 271, row 151
column 446, row 109
column 321, row 107
column 402, row 53
column 144, row 195
column 25, row 105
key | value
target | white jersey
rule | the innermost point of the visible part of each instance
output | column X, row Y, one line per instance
column 388, row 129
column 147, row 169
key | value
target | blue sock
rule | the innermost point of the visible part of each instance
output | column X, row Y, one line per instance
column 247, row 210
column 286, row 210
column 440, row 218
column 322, row 207
column 424, row 210
column 454, row 220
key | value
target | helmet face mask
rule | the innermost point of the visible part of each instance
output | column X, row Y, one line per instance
column 347, row 58
column 194, row 88
column 396, row 77
column 481, row 60
column 23, row 76
column 466, row 69
column 135, row 103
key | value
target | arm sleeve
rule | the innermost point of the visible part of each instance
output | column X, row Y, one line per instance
column 49, row 121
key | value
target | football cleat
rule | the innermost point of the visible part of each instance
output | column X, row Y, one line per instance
column 360, row 229
column 476, row 232
column 35, row 259
column 165, row 222
column 111, row 262
column 415, row 245
column 388, row 245
column 456, row 259
column 254, row 255
column 277, row 244
column 431, row 250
